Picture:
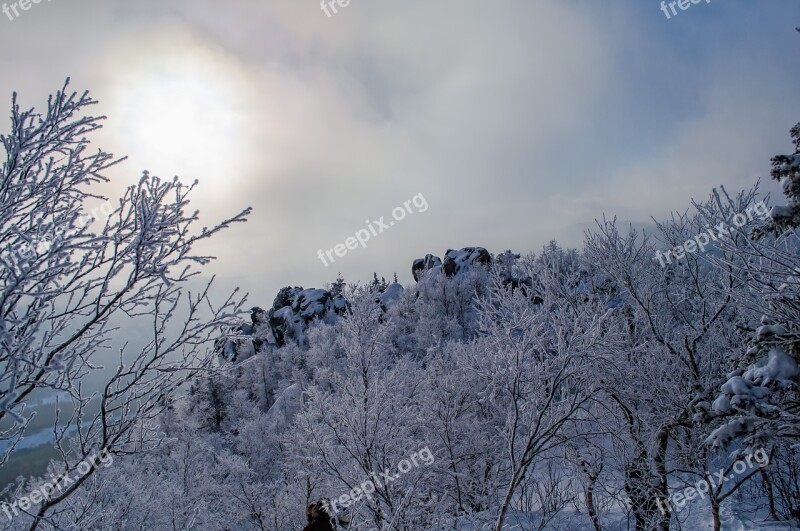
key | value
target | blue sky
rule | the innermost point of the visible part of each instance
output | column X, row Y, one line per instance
column 518, row 121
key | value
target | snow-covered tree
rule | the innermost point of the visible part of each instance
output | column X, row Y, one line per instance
column 678, row 322
column 69, row 282
column 362, row 419
column 761, row 400
column 533, row 361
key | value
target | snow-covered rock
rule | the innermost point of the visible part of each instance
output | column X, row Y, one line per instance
column 295, row 308
column 456, row 261
column 421, row 265
column 389, row 296
column 287, row 321
column 244, row 341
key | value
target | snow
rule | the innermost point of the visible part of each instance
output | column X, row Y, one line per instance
column 455, row 261
column 780, row 368
column 288, row 404
column 312, row 303
column 722, row 405
column 767, row 330
column 730, row 431
column 390, row 295
column 737, row 386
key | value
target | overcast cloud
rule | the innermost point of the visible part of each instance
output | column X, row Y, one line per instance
column 518, row 121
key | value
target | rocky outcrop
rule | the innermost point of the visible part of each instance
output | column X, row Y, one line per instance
column 466, row 258
column 292, row 312
column 243, row 342
column 295, row 308
column 454, row 262
column 421, row 265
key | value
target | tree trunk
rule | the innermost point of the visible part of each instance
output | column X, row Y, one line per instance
column 590, row 504
column 715, row 514
column 773, row 513
column 661, row 470
column 501, row 519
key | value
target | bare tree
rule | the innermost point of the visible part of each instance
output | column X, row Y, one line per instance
column 68, row 279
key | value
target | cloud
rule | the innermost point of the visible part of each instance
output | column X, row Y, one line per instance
column 518, row 121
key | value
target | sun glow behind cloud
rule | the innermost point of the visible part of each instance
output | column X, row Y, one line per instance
column 181, row 108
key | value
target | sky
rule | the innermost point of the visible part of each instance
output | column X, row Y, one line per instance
column 516, row 121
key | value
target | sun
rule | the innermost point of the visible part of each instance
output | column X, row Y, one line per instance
column 179, row 108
